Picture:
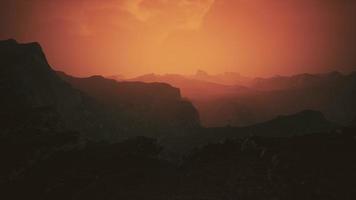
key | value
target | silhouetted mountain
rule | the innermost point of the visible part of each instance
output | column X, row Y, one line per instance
column 143, row 106
column 305, row 122
column 227, row 78
column 299, row 156
column 301, row 123
column 298, row 81
column 333, row 94
column 111, row 91
column 34, row 96
column 190, row 87
column 203, row 94
column 260, row 99
column 117, row 77
column 98, row 108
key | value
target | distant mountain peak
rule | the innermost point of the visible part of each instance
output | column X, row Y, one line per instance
column 14, row 43
column 201, row 73
column 11, row 50
column 97, row 107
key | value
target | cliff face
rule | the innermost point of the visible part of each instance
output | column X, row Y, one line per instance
column 31, row 90
column 98, row 107
column 24, row 70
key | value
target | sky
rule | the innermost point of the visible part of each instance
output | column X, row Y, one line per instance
column 134, row 37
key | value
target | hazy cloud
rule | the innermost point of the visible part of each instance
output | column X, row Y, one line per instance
column 263, row 35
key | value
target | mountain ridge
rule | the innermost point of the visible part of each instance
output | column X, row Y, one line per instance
column 30, row 85
column 260, row 99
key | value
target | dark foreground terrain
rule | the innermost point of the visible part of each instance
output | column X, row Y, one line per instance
column 43, row 166
column 63, row 137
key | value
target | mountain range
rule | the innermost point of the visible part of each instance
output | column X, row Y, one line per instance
column 37, row 97
column 65, row 137
column 232, row 99
column 148, row 105
column 99, row 108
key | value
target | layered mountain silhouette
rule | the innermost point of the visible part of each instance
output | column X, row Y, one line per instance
column 332, row 93
column 191, row 87
column 245, row 101
column 31, row 87
column 64, row 137
column 149, row 106
column 105, row 108
column 227, row 78
column 301, row 123
column 97, row 107
column 304, row 122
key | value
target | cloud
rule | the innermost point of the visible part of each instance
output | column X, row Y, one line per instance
column 123, row 34
column 174, row 14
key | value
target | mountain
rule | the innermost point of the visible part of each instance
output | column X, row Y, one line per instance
column 298, row 81
column 59, row 140
column 304, row 122
column 113, row 92
column 34, row 96
column 190, row 87
column 283, row 126
column 253, row 100
column 333, row 94
column 227, row 78
column 31, row 88
column 204, row 95
column 142, row 106
column 117, row 77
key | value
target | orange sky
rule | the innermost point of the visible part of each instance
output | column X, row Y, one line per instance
column 133, row 37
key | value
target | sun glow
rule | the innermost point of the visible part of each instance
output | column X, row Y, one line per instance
column 133, row 37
